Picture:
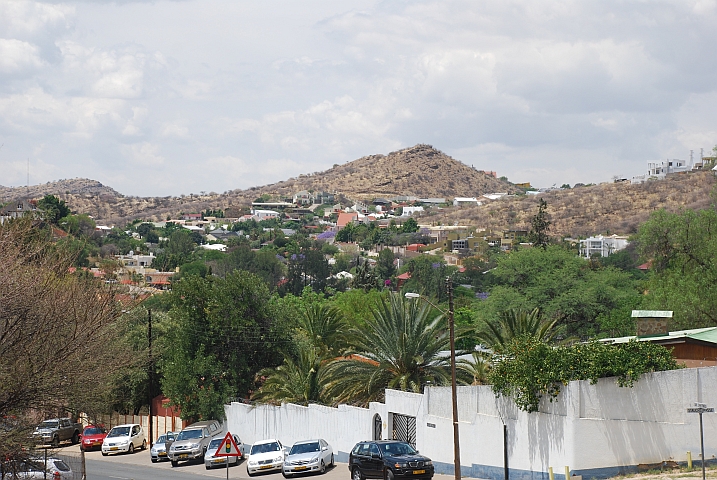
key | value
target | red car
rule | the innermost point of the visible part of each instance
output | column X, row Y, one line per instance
column 92, row 437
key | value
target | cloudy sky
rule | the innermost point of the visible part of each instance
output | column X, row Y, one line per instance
column 171, row 97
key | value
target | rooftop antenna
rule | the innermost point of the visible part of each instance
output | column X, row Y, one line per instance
column 28, row 174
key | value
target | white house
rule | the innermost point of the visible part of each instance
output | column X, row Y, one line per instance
column 408, row 211
column 602, row 246
column 465, row 201
column 264, row 214
column 659, row 170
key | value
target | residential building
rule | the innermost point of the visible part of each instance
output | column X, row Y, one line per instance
column 191, row 217
column 303, row 197
column 659, row 170
column 465, row 201
column 324, row 198
column 408, row 211
column 264, row 214
column 346, row 218
column 432, row 201
column 602, row 246
column 18, row 209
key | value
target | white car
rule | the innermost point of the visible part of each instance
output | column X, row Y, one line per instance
column 124, row 438
column 210, row 458
column 308, row 456
column 33, row 469
column 265, row 456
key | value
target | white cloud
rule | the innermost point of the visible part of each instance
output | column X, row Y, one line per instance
column 17, row 56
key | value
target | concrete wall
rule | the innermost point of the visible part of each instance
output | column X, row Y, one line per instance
column 596, row 430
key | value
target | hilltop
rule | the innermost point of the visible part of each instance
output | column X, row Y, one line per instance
column 74, row 186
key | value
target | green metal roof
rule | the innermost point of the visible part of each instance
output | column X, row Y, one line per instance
column 708, row 334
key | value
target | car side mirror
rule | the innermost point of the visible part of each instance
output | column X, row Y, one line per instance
column 323, row 449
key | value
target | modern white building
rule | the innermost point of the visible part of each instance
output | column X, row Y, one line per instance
column 264, row 214
column 408, row 211
column 465, row 201
column 659, row 170
column 602, row 246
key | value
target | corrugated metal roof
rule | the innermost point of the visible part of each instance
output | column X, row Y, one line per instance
column 708, row 334
column 652, row 313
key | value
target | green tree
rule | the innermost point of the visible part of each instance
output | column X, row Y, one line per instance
column 384, row 266
column 52, row 209
column 497, row 335
column 300, row 380
column 398, row 348
column 410, row 225
column 682, row 248
column 227, row 330
column 539, row 226
column 473, row 371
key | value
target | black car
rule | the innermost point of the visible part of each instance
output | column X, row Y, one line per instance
column 388, row 459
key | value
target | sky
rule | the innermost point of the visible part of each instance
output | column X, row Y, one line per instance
column 176, row 97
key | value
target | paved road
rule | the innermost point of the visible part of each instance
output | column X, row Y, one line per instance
column 138, row 466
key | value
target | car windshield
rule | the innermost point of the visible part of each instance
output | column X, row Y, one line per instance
column 50, row 424
column 265, row 448
column 161, row 439
column 61, row 466
column 189, row 434
column 397, row 449
column 215, row 443
column 92, row 431
column 304, row 448
column 119, row 432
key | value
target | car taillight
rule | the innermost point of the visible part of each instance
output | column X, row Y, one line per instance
column 56, row 476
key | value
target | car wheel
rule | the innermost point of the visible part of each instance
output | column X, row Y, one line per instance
column 104, row 454
column 322, row 468
column 75, row 438
column 144, row 444
column 249, row 473
column 356, row 474
column 55, row 441
column 389, row 474
column 154, row 460
column 207, row 467
column 174, row 463
column 332, row 461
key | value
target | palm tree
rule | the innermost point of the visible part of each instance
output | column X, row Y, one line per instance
column 324, row 327
column 298, row 380
column 399, row 348
column 473, row 371
column 516, row 323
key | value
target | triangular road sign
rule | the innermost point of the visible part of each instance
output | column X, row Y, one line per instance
column 228, row 448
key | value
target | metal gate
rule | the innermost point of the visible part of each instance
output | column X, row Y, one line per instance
column 404, row 428
column 377, row 427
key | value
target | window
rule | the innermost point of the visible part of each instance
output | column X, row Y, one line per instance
column 374, row 449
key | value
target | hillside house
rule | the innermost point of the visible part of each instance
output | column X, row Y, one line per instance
column 264, row 214
column 18, row 209
column 191, row 217
column 303, row 197
column 432, row 201
column 660, row 170
column 324, row 198
column 458, row 201
column 346, row 218
column 602, row 246
column 408, row 211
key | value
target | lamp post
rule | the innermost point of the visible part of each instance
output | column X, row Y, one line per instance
column 454, row 389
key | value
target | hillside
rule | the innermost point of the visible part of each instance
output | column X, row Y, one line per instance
column 74, row 186
column 607, row 208
column 421, row 171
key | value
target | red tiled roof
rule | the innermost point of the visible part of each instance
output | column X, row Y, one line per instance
column 345, row 218
column 404, row 276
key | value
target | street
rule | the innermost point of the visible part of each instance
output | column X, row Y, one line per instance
column 138, row 466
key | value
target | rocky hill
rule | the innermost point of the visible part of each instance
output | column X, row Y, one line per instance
column 601, row 209
column 420, row 171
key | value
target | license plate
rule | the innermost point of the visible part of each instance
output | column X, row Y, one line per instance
column 218, row 460
column 418, row 472
column 162, row 454
column 300, row 468
column 114, row 448
column 183, row 456
column 264, row 467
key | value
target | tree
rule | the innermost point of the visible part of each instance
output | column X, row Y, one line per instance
column 227, row 330
column 539, row 226
column 398, row 348
column 299, row 380
column 384, row 266
column 51, row 324
column 517, row 323
column 473, row 371
column 52, row 209
column 410, row 225
column 682, row 248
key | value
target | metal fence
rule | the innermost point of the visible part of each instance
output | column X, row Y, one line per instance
column 404, row 428
column 43, row 463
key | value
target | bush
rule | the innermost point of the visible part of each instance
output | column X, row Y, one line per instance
column 530, row 369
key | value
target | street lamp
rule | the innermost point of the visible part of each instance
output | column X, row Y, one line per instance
column 454, row 393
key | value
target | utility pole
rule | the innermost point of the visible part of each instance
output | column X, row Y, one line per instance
column 150, row 373
column 454, row 389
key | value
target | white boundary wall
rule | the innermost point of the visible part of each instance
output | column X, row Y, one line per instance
column 595, row 430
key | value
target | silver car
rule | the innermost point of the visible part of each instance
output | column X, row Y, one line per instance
column 192, row 442
column 159, row 450
column 308, row 456
column 210, row 458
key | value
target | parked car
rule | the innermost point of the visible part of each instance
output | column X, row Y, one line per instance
column 124, row 438
column 388, row 459
column 159, row 449
column 210, row 458
column 308, row 456
column 92, row 437
column 56, row 430
column 193, row 441
column 265, row 456
column 34, row 469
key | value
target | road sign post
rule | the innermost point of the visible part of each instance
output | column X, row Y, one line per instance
column 228, row 448
column 701, row 408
